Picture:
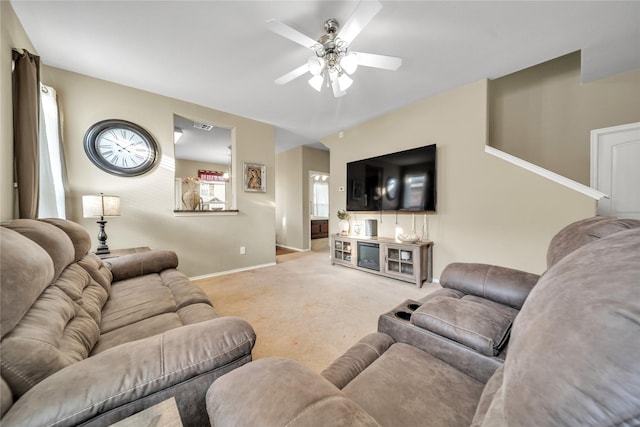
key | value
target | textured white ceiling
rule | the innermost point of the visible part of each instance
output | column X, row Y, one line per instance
column 219, row 53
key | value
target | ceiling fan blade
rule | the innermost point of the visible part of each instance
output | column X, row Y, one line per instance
column 291, row 34
column 378, row 61
column 293, row 74
column 364, row 13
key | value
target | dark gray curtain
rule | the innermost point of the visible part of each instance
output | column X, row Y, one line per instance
column 26, row 111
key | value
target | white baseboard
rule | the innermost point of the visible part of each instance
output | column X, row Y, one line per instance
column 237, row 270
column 292, row 248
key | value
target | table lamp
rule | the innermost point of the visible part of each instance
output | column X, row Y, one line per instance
column 101, row 206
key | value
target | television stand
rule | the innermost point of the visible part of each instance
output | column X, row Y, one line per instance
column 409, row 262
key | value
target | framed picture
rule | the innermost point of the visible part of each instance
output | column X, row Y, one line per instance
column 358, row 228
column 255, row 178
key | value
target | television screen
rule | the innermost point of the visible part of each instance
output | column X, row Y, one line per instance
column 402, row 181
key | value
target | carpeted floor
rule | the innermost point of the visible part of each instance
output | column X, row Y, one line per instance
column 306, row 309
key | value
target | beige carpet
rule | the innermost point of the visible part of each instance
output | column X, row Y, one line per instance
column 306, row 309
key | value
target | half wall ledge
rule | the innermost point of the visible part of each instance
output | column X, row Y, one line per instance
column 576, row 186
column 204, row 213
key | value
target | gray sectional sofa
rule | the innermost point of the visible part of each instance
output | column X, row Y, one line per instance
column 571, row 357
column 87, row 343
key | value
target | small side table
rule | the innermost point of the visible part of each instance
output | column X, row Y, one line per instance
column 163, row 414
column 119, row 252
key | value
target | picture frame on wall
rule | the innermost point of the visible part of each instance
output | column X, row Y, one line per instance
column 255, row 178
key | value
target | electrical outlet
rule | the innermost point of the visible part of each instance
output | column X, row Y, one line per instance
column 243, row 250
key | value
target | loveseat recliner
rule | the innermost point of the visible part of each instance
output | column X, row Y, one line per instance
column 87, row 343
column 572, row 360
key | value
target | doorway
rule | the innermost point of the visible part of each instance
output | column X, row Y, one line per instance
column 615, row 169
column 318, row 209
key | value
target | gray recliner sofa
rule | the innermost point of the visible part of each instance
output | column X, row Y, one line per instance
column 87, row 343
column 572, row 360
column 469, row 320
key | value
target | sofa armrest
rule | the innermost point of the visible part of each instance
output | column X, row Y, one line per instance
column 500, row 284
column 114, row 380
column 356, row 359
column 134, row 265
column 277, row 392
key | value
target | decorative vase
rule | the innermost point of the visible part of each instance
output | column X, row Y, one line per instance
column 343, row 226
column 191, row 200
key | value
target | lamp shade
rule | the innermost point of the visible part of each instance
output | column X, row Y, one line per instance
column 99, row 206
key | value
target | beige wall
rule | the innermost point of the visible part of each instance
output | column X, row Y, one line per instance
column 12, row 35
column 204, row 245
column 292, row 194
column 544, row 114
column 488, row 210
column 289, row 199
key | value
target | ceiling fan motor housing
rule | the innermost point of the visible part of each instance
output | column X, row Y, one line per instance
column 331, row 48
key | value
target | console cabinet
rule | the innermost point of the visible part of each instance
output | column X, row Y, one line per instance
column 410, row 262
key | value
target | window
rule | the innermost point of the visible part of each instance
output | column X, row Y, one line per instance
column 213, row 194
column 51, row 197
column 319, row 195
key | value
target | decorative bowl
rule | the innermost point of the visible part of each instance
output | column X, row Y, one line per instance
column 408, row 238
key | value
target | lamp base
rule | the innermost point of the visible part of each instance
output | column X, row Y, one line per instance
column 102, row 249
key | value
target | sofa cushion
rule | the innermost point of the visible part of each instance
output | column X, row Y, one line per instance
column 478, row 323
column 21, row 286
column 79, row 236
column 50, row 238
column 392, row 392
column 151, row 304
column 96, row 269
column 280, row 392
column 134, row 300
column 582, row 232
column 500, row 284
column 575, row 343
column 55, row 333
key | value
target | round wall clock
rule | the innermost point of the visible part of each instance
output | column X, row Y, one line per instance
column 121, row 148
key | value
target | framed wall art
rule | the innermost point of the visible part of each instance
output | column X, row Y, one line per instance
column 255, row 178
column 358, row 228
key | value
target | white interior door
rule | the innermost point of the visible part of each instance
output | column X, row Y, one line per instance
column 615, row 169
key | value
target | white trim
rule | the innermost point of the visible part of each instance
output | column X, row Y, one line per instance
column 292, row 248
column 237, row 270
column 576, row 186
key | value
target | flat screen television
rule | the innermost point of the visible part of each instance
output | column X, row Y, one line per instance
column 402, row 181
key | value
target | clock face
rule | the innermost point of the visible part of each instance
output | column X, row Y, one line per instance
column 121, row 148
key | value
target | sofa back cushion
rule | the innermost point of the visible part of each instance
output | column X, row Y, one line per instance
column 79, row 237
column 20, row 283
column 573, row 354
column 54, row 321
column 580, row 233
column 50, row 238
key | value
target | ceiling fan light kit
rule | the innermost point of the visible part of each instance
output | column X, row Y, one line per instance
column 333, row 62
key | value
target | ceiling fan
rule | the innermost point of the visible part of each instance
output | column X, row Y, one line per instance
column 333, row 62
